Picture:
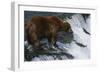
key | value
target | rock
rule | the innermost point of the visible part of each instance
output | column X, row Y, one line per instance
column 71, row 45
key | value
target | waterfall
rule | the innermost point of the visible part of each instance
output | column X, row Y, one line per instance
column 78, row 48
column 77, row 24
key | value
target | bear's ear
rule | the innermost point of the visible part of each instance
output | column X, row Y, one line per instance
column 67, row 27
column 27, row 25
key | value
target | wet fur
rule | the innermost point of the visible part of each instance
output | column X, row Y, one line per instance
column 39, row 27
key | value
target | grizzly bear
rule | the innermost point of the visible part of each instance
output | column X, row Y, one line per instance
column 39, row 27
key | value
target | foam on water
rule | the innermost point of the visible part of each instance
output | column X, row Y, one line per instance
column 77, row 24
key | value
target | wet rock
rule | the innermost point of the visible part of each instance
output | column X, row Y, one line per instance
column 27, row 55
column 71, row 45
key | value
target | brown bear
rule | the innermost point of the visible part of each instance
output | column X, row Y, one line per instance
column 44, row 26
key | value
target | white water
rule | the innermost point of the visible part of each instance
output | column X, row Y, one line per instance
column 77, row 23
column 78, row 52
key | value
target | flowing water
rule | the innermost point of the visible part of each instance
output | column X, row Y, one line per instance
column 74, row 45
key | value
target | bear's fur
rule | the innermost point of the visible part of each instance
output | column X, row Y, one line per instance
column 39, row 27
